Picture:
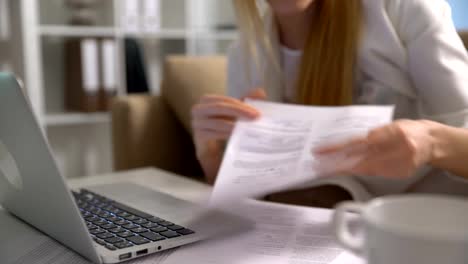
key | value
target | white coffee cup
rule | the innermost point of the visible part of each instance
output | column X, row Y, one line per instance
column 410, row 229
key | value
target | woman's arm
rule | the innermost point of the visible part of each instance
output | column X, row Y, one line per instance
column 437, row 60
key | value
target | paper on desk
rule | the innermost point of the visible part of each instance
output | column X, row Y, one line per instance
column 283, row 235
column 273, row 153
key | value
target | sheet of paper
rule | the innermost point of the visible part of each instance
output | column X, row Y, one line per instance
column 283, row 235
column 273, row 152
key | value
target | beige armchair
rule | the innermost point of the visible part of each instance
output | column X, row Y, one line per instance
column 155, row 130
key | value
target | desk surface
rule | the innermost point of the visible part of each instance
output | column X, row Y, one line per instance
column 173, row 184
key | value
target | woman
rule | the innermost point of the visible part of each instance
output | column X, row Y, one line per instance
column 334, row 52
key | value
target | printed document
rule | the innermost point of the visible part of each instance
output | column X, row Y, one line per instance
column 274, row 152
column 283, row 235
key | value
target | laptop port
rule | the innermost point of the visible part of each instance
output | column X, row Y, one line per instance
column 142, row 252
column 125, row 256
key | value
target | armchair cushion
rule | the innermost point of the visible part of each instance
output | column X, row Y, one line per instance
column 147, row 133
column 186, row 79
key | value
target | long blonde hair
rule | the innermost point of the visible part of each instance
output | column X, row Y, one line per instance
column 326, row 73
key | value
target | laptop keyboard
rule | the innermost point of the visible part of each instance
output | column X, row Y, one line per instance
column 115, row 226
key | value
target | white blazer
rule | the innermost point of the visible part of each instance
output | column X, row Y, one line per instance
column 410, row 56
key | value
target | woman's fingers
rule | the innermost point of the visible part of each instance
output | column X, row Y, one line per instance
column 215, row 98
column 214, row 124
column 203, row 135
column 258, row 94
column 393, row 151
column 213, row 118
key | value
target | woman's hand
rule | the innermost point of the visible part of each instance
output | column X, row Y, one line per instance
column 394, row 151
column 213, row 120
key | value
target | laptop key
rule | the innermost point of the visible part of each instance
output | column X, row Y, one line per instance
column 97, row 220
column 90, row 226
column 115, row 211
column 132, row 218
column 140, row 221
column 97, row 231
column 114, row 240
column 159, row 229
column 185, row 231
column 105, row 235
column 108, row 226
column 139, row 230
column 122, row 222
column 150, row 225
column 86, row 214
column 130, row 226
column 101, row 222
column 100, row 242
column 91, row 218
column 166, row 223
column 95, row 211
column 152, row 236
column 169, row 234
column 155, row 220
column 131, row 210
column 110, row 247
column 125, row 234
column 175, row 227
column 118, row 229
column 124, row 244
column 113, row 218
column 104, row 214
column 123, row 214
column 138, row 240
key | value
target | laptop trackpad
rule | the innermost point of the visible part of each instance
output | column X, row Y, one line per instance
column 150, row 201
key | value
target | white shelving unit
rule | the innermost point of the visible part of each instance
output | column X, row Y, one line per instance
column 188, row 25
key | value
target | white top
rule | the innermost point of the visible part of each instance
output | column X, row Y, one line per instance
column 411, row 56
column 290, row 65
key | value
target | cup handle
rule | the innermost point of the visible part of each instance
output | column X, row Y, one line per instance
column 341, row 226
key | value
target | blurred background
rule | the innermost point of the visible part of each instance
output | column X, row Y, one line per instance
column 74, row 56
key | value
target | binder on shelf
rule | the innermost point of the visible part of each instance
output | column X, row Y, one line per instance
column 152, row 16
column 109, row 73
column 130, row 16
column 4, row 20
column 82, row 75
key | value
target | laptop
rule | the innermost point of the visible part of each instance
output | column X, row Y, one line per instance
column 105, row 224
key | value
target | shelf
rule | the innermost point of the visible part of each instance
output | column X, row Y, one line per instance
column 186, row 34
column 77, row 31
column 95, row 31
column 76, row 119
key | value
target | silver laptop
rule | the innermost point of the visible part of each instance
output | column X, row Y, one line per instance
column 105, row 224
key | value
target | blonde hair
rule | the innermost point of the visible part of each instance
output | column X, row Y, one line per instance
column 326, row 73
